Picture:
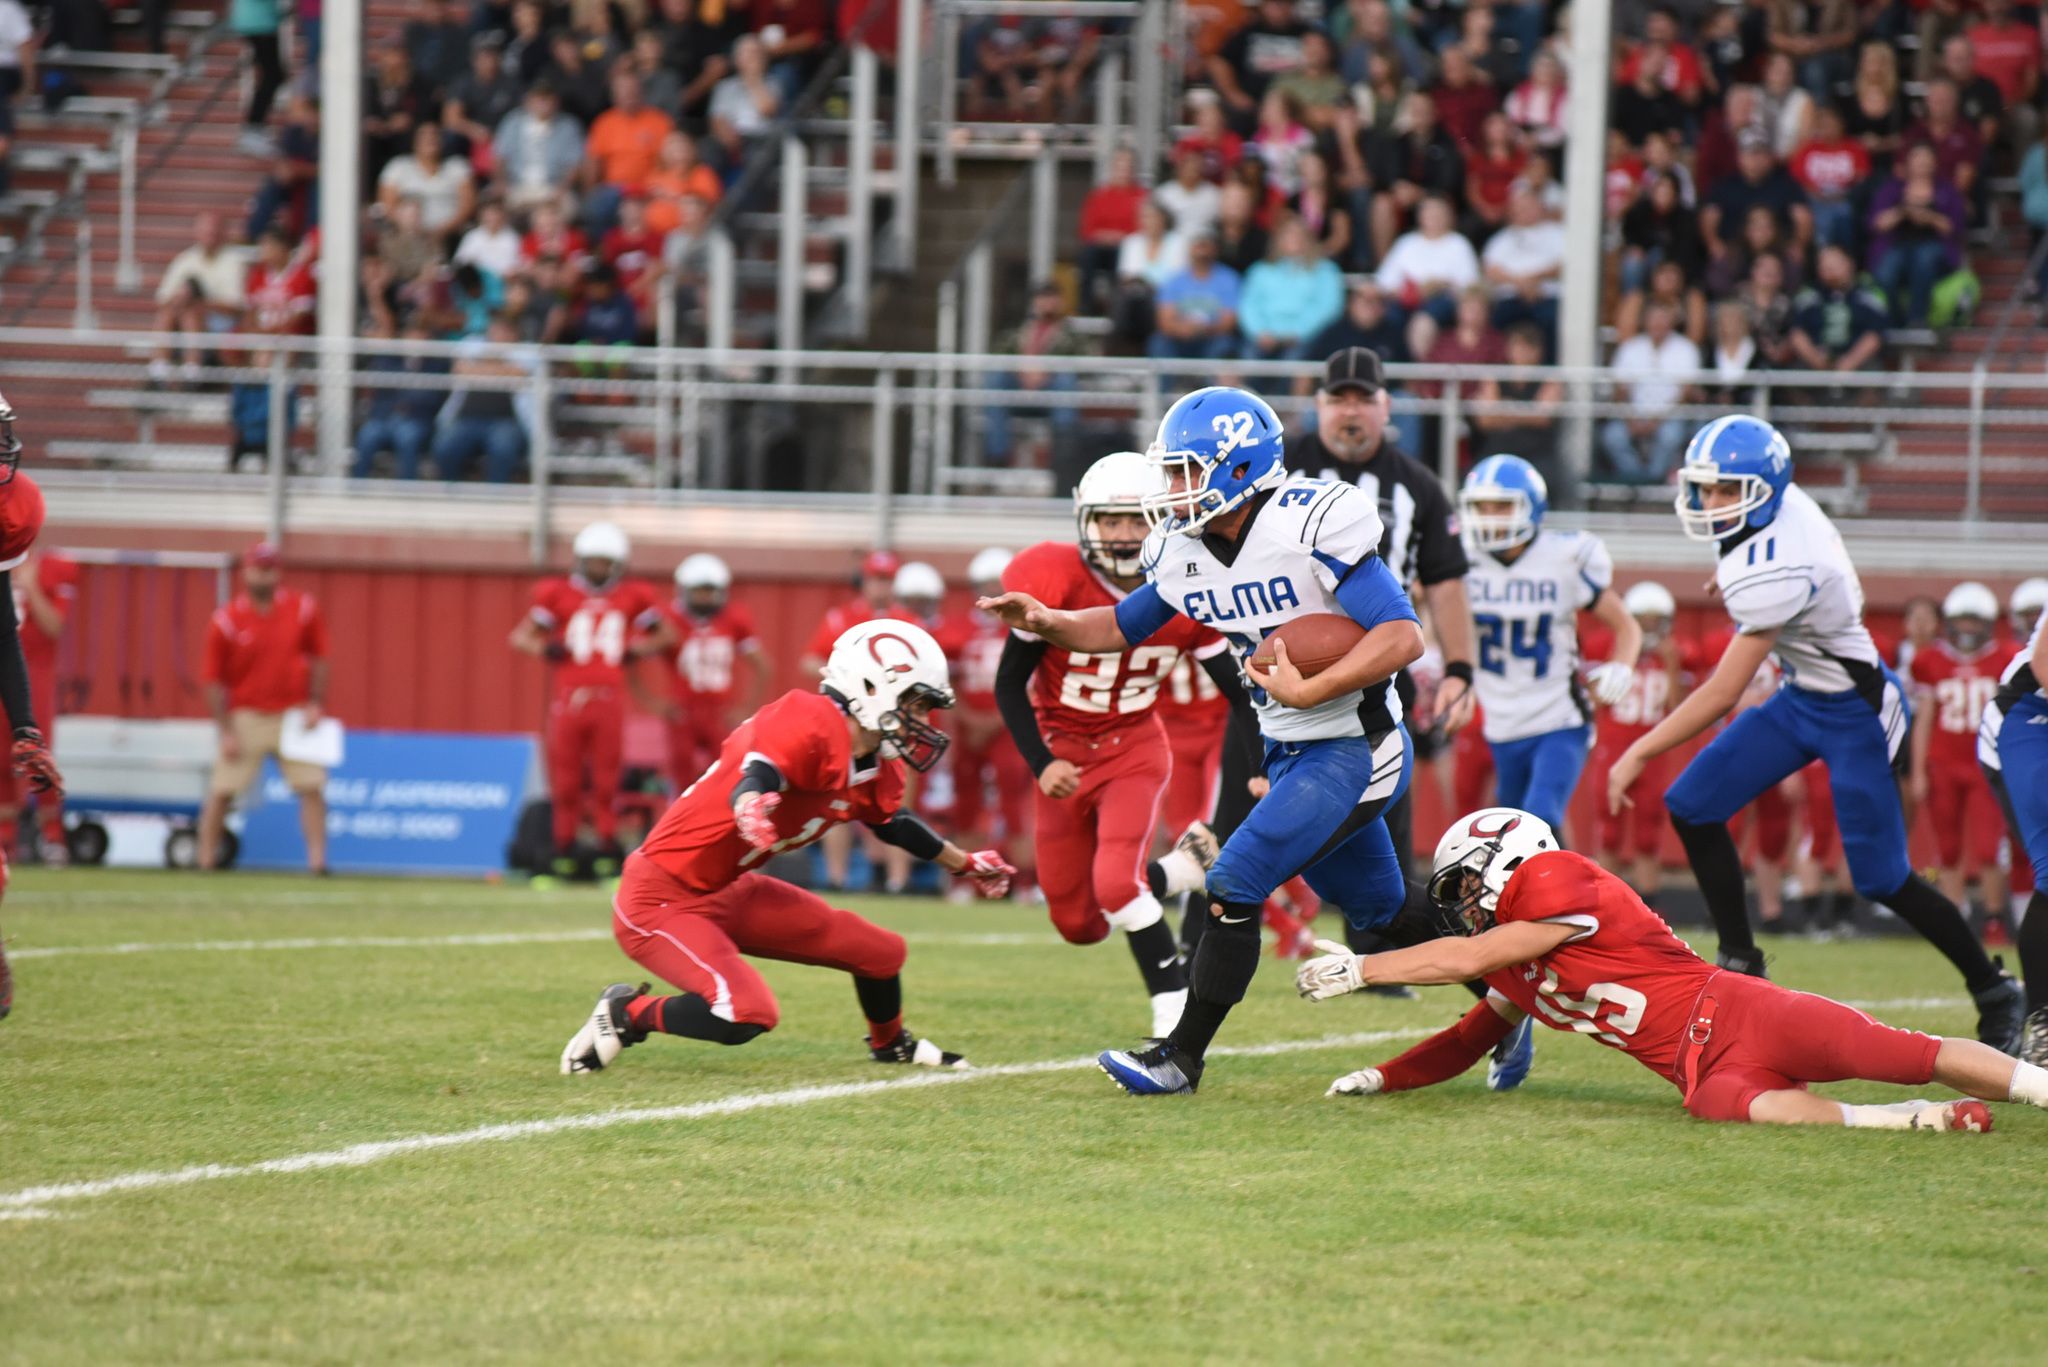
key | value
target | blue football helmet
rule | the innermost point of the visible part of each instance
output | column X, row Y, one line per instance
column 1224, row 445
column 1737, row 449
column 1502, row 479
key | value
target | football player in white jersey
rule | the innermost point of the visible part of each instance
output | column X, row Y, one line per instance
column 1527, row 586
column 1239, row 546
column 1788, row 584
column 2012, row 745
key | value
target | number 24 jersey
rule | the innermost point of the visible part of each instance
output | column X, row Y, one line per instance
column 1525, row 616
column 1078, row 694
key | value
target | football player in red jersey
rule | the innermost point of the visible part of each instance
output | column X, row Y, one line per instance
column 1085, row 725
column 45, row 589
column 715, row 640
column 590, row 626
column 877, row 586
column 985, row 759
column 1559, row 938
column 692, row 902
column 1955, row 676
column 1658, row 685
column 21, row 519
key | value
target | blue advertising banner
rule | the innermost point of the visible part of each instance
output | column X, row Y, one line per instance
column 401, row 802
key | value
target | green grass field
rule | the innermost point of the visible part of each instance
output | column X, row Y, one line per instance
column 1010, row 1216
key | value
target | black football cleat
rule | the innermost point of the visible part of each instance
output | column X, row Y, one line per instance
column 6, row 986
column 1161, row 1070
column 908, row 1048
column 2033, row 1040
column 2001, row 1012
column 605, row 1034
column 1750, row 961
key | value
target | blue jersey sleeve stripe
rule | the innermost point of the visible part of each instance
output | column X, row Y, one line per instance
column 1370, row 595
column 1331, row 563
column 1592, row 587
column 1142, row 613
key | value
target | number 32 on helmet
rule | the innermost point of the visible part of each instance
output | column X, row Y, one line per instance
column 1217, row 449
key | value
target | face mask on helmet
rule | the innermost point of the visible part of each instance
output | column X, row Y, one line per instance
column 907, row 736
column 1117, row 550
column 10, row 445
column 704, row 600
column 1458, row 895
column 1967, row 633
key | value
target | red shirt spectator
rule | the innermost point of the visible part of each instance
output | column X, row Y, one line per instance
column 1958, row 152
column 1220, row 149
column 1463, row 100
column 1831, row 168
column 2008, row 51
column 1682, row 74
column 264, row 656
column 1111, row 209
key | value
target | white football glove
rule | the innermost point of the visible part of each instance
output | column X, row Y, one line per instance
column 1610, row 682
column 754, row 814
column 1332, row 973
column 1364, row 1082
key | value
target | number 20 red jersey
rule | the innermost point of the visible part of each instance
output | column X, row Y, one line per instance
column 594, row 626
column 1958, row 687
column 1623, row 979
column 1078, row 694
column 707, row 651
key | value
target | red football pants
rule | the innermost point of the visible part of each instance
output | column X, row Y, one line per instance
column 693, row 741
column 586, row 737
column 1767, row 1038
column 694, row 940
column 1823, row 834
column 1092, row 847
column 1638, row 829
column 1197, row 760
column 1773, row 812
column 1471, row 768
column 994, row 763
column 1965, row 815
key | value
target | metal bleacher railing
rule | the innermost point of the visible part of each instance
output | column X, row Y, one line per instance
column 674, row 424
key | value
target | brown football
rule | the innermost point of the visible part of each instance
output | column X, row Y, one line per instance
column 1314, row 642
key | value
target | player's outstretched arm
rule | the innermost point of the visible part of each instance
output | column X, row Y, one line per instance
column 1452, row 959
column 1610, row 681
column 1439, row 1058
column 1092, row 631
column 988, row 871
column 1704, row 706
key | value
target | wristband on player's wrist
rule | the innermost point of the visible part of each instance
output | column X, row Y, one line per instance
column 1461, row 670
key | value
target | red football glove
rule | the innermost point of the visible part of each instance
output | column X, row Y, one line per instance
column 990, row 873
column 755, row 816
column 32, row 761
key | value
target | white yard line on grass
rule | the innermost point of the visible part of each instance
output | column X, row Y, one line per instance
column 510, row 937
column 34, row 1203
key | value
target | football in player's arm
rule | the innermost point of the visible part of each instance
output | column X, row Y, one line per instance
column 1562, row 940
column 21, row 519
column 692, row 902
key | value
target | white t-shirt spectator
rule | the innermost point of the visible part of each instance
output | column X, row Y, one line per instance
column 1642, row 362
column 439, row 194
column 16, row 29
column 1417, row 260
column 1527, row 251
column 220, row 277
column 1137, row 260
column 496, row 252
column 1194, row 211
column 731, row 101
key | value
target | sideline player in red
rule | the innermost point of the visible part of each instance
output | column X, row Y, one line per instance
column 877, row 586
column 590, row 626
column 1956, row 676
column 715, row 639
column 21, row 519
column 691, row 903
column 1085, row 725
column 984, row 758
column 1559, row 938
column 45, row 588
column 1636, row 835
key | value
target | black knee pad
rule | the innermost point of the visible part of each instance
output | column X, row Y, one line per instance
column 739, row 1032
column 1228, row 954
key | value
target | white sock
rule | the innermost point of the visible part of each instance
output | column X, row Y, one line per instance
column 1183, row 874
column 1166, row 1011
column 1899, row 1115
column 2030, row 1084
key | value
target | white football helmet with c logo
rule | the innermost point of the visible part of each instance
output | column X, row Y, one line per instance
column 878, row 670
column 1474, row 861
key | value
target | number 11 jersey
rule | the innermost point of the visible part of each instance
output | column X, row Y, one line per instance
column 1525, row 617
column 1077, row 694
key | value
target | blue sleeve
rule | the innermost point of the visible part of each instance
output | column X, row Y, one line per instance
column 1142, row 613
column 1371, row 595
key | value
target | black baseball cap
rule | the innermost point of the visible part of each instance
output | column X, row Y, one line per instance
column 1355, row 367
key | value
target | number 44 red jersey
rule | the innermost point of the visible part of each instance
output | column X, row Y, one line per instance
column 804, row 735
column 1075, row 693
column 1622, row 978
column 594, row 626
column 1958, row 687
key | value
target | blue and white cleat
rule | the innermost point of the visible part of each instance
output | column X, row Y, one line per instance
column 1157, row 1071
column 1512, row 1057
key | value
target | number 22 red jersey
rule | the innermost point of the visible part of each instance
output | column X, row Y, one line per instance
column 594, row 626
column 804, row 736
column 1957, row 687
column 1077, row 694
column 1624, row 978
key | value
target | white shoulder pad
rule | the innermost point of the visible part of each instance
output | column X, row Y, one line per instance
column 1595, row 566
column 1336, row 520
column 1766, row 596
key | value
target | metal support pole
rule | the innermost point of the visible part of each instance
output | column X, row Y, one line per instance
column 860, row 191
column 1973, row 471
column 1045, row 204
column 1449, row 430
column 128, row 274
column 664, row 384
column 341, row 204
column 721, row 291
column 1149, row 114
column 82, row 316
column 278, row 444
column 690, row 462
column 947, row 377
column 882, row 455
column 542, row 461
column 1585, row 230
column 920, row 481
column 1109, row 85
column 909, row 72
column 980, row 286
column 789, row 255
column 949, row 94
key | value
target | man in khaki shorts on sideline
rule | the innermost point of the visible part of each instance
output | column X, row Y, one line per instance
column 266, row 651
